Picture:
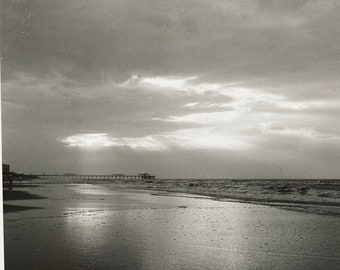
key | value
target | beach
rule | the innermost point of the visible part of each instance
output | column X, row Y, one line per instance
column 170, row 135
column 114, row 226
column 317, row 196
column 320, row 196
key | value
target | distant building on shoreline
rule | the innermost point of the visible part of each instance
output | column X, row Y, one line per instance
column 5, row 169
column 6, row 175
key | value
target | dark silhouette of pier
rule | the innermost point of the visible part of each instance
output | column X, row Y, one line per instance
column 96, row 176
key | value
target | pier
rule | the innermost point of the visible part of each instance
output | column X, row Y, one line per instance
column 96, row 176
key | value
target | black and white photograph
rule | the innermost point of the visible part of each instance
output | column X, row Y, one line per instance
column 170, row 134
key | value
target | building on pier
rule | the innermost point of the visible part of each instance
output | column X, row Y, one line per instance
column 146, row 176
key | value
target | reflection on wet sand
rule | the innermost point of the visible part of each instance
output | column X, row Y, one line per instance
column 100, row 227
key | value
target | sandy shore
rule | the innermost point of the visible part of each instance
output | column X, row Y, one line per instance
column 104, row 226
column 317, row 196
column 17, row 195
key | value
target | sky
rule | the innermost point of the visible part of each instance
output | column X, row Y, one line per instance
column 179, row 89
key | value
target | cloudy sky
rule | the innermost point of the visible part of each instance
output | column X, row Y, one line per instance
column 241, row 89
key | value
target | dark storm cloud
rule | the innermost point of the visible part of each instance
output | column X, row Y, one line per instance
column 242, row 39
column 162, row 72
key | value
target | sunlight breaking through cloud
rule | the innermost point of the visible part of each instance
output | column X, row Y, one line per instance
column 148, row 143
column 242, row 98
column 100, row 140
column 272, row 129
column 205, row 138
column 89, row 140
column 208, row 118
column 138, row 79
column 195, row 138
column 175, row 83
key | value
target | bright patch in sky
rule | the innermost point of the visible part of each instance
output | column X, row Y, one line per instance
column 144, row 143
column 226, row 117
column 233, row 119
column 174, row 83
column 242, row 98
column 99, row 140
column 89, row 140
column 232, row 122
column 205, row 138
column 196, row 138
column 168, row 82
column 271, row 129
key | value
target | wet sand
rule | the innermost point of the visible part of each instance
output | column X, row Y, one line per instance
column 308, row 195
column 14, row 195
column 85, row 226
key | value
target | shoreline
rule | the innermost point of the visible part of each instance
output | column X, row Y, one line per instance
column 310, row 196
column 305, row 207
column 100, row 222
